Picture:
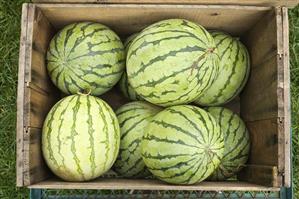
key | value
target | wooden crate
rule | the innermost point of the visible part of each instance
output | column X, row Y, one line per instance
column 264, row 104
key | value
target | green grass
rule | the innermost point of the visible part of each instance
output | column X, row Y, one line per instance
column 10, row 12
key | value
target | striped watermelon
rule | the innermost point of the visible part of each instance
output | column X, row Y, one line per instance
column 233, row 72
column 182, row 145
column 133, row 119
column 80, row 138
column 172, row 62
column 85, row 56
column 236, row 143
column 123, row 84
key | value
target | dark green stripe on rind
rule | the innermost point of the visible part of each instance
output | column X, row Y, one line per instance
column 74, row 55
column 133, row 118
column 72, row 137
column 91, row 138
column 237, row 143
column 169, row 153
column 152, row 76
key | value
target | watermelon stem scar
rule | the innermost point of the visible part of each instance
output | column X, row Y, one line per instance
column 84, row 92
column 209, row 50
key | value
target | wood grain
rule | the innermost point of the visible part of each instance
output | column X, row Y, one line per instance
column 42, row 34
column 128, row 19
column 37, row 105
column 35, row 168
column 262, row 175
column 287, row 102
column 139, row 184
column 264, row 142
column 290, row 3
column 20, row 96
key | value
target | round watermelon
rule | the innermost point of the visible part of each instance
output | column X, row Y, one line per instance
column 182, row 144
column 236, row 143
column 172, row 62
column 123, row 84
column 133, row 119
column 233, row 71
column 85, row 57
column 80, row 138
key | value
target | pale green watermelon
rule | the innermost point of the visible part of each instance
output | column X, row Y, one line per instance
column 85, row 57
column 182, row 145
column 80, row 138
column 172, row 62
column 236, row 143
column 133, row 119
column 233, row 71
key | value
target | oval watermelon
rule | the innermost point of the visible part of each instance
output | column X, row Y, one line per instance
column 182, row 145
column 233, row 71
column 172, row 62
column 133, row 119
column 236, row 143
column 85, row 57
column 80, row 138
column 123, row 84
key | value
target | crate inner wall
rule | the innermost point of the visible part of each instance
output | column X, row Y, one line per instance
column 262, row 104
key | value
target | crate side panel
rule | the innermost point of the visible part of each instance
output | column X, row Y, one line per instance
column 149, row 184
column 35, row 168
column 42, row 34
column 262, row 175
column 128, row 19
column 286, row 131
column 20, row 97
column 290, row 3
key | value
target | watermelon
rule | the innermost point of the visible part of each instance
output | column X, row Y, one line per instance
column 233, row 71
column 123, row 84
column 172, row 62
column 85, row 57
column 182, row 144
column 236, row 143
column 133, row 119
column 80, row 138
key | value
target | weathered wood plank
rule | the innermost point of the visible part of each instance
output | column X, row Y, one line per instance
column 290, row 3
column 37, row 105
column 20, row 97
column 286, row 103
column 35, row 168
column 42, row 34
column 264, row 142
column 141, row 184
column 262, row 175
column 233, row 19
column 259, row 97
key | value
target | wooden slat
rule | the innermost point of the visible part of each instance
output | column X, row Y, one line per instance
column 128, row 19
column 264, row 142
column 262, row 175
column 139, row 184
column 42, row 34
column 20, row 97
column 259, row 98
column 290, row 3
column 287, row 101
column 37, row 105
column 35, row 168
